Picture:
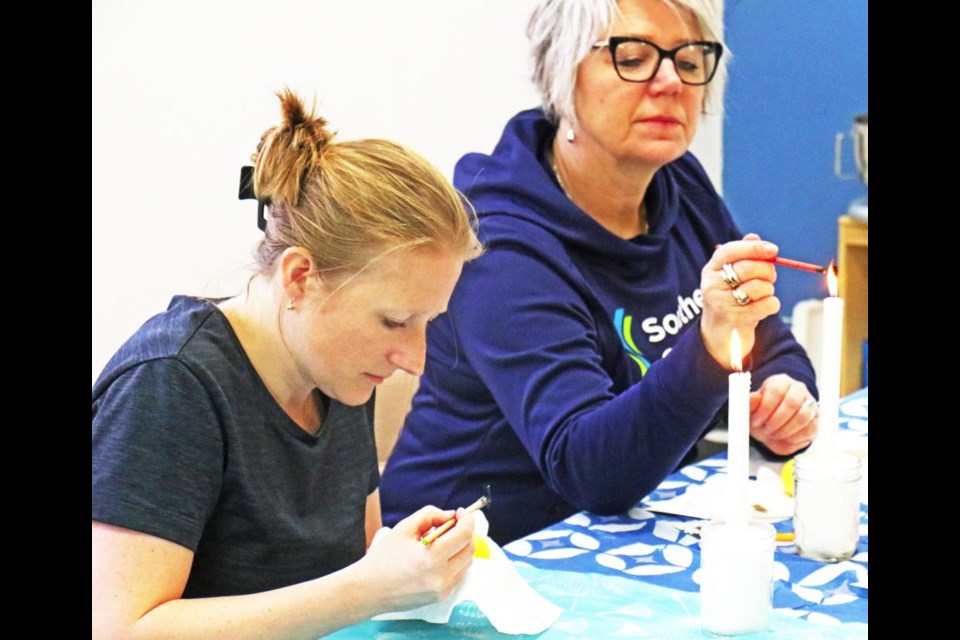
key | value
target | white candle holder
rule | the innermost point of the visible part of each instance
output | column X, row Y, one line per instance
column 826, row 520
column 736, row 577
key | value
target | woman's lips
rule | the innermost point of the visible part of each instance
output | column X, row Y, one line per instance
column 665, row 120
column 375, row 379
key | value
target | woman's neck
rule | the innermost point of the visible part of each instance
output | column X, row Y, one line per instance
column 256, row 316
column 609, row 191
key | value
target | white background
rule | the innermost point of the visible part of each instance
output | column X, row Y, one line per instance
column 182, row 90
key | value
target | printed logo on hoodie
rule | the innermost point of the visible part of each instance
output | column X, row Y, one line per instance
column 657, row 328
column 623, row 324
column 687, row 309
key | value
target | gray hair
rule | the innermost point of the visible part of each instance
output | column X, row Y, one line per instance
column 562, row 33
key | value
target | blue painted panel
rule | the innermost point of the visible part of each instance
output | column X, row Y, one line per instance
column 798, row 77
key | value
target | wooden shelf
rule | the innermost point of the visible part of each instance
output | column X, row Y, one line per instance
column 852, row 272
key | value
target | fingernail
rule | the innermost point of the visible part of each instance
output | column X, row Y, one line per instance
column 769, row 247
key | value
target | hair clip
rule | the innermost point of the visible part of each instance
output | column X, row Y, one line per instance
column 246, row 193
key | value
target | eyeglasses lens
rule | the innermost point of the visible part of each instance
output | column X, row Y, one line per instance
column 638, row 62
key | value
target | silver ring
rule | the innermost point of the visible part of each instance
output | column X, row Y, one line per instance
column 809, row 402
column 740, row 296
column 729, row 275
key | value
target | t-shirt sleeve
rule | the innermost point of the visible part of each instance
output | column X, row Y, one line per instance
column 157, row 452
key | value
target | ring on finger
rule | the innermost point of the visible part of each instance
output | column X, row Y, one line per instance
column 729, row 275
column 740, row 296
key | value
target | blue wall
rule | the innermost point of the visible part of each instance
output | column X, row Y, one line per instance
column 798, row 76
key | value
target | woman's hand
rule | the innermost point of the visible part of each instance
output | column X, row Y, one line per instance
column 737, row 289
column 783, row 414
column 413, row 574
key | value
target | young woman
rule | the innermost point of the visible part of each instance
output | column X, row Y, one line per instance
column 234, row 468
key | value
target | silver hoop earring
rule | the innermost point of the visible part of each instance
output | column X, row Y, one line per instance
column 570, row 135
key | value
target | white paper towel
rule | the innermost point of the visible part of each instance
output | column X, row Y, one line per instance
column 511, row 605
column 708, row 500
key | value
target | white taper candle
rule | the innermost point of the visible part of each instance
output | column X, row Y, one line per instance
column 738, row 436
column 829, row 383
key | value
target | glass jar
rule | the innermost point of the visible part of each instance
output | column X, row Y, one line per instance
column 826, row 508
column 736, row 577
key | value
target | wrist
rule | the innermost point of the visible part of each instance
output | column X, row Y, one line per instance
column 717, row 339
column 362, row 591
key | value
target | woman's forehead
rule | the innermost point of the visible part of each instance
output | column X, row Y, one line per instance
column 409, row 276
column 655, row 20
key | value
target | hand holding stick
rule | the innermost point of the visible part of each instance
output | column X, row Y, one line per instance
column 436, row 532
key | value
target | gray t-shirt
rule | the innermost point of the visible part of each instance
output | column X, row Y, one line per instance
column 189, row 446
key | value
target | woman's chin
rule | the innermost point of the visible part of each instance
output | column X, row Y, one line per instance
column 660, row 152
column 356, row 399
column 354, row 396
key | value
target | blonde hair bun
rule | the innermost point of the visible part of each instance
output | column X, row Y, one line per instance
column 346, row 202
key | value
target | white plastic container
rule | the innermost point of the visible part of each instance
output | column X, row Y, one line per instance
column 736, row 577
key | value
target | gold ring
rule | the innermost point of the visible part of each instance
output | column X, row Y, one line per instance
column 740, row 296
column 729, row 275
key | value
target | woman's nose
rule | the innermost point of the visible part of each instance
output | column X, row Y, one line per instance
column 666, row 79
column 411, row 355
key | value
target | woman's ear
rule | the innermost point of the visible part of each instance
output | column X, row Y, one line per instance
column 295, row 264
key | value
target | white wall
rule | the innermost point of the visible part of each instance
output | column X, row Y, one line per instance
column 182, row 90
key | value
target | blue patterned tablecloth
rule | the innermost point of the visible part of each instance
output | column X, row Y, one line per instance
column 600, row 607
column 657, row 549
column 635, row 575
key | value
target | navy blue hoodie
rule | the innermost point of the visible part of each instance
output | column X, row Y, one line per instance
column 569, row 372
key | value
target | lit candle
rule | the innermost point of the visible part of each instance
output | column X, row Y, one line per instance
column 829, row 385
column 738, row 436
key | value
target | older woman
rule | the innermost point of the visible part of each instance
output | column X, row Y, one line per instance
column 234, row 469
column 586, row 353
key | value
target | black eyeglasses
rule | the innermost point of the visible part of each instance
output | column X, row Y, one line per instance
column 639, row 60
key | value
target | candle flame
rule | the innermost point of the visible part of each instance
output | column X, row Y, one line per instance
column 832, row 279
column 736, row 357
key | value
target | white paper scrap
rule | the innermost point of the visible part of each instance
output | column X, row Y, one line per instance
column 493, row 584
column 707, row 500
